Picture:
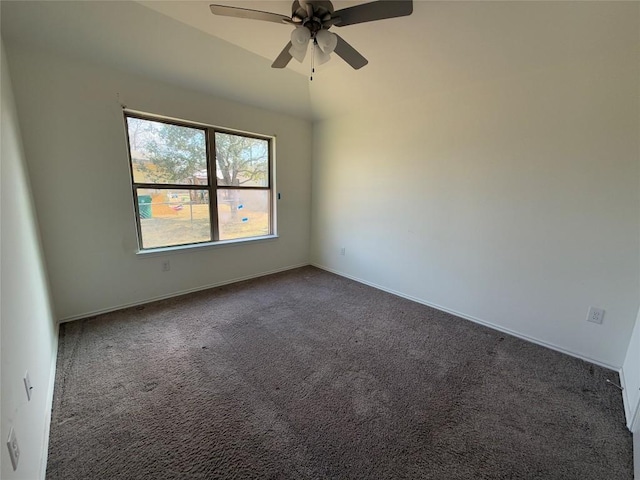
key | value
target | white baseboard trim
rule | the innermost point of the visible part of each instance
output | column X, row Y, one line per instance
column 636, row 454
column 632, row 412
column 634, row 422
column 625, row 399
column 49, row 403
column 178, row 293
column 474, row 319
column 359, row 280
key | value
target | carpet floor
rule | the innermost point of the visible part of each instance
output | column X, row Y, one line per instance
column 308, row 375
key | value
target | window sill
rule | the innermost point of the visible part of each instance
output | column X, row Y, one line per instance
column 154, row 252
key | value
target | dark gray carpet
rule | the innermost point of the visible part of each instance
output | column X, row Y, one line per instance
column 307, row 375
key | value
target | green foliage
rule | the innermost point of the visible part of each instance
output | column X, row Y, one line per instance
column 241, row 160
column 175, row 154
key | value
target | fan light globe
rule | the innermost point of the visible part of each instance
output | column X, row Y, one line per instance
column 320, row 56
column 299, row 42
column 300, row 38
column 327, row 41
column 298, row 53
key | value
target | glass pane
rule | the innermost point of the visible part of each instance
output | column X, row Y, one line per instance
column 242, row 161
column 165, row 153
column 173, row 217
column 243, row 213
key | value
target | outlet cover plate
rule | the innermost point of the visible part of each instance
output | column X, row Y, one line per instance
column 14, row 450
column 595, row 315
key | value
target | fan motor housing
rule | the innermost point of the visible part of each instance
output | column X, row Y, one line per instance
column 321, row 10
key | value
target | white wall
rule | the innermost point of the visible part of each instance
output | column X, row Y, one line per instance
column 513, row 201
column 29, row 333
column 75, row 146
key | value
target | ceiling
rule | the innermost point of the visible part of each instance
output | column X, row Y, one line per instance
column 441, row 46
column 244, row 33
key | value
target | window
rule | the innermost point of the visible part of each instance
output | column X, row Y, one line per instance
column 196, row 184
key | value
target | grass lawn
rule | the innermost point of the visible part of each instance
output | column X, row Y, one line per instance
column 170, row 225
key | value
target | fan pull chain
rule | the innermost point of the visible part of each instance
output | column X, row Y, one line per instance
column 313, row 57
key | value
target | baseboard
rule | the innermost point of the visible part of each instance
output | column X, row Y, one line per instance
column 636, row 454
column 49, row 403
column 359, row 280
column 625, row 399
column 474, row 319
column 177, row 294
column 632, row 412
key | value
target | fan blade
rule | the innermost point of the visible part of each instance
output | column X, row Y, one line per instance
column 332, row 21
column 283, row 59
column 369, row 12
column 349, row 54
column 246, row 13
column 298, row 11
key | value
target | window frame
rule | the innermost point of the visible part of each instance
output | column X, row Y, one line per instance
column 211, row 187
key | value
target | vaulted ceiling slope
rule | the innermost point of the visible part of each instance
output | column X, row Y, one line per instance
column 132, row 37
column 442, row 46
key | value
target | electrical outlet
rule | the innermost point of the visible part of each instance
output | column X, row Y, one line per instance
column 595, row 315
column 166, row 266
column 342, row 251
column 27, row 385
column 14, row 450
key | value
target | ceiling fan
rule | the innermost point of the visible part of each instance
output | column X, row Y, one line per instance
column 313, row 19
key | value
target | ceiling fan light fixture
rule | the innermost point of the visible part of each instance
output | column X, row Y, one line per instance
column 313, row 18
column 327, row 41
column 300, row 37
column 298, row 52
column 321, row 57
